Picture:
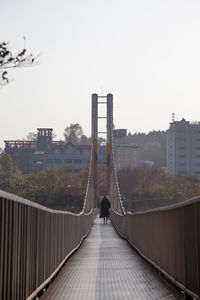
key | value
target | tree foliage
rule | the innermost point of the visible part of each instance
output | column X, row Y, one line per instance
column 57, row 188
column 10, row 176
column 32, row 136
column 142, row 187
column 146, row 187
column 10, row 60
column 152, row 145
column 73, row 133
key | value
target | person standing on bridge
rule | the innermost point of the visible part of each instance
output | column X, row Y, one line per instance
column 105, row 206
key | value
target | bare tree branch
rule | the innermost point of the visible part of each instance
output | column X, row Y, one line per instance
column 8, row 60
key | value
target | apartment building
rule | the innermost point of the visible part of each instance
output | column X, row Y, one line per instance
column 183, row 148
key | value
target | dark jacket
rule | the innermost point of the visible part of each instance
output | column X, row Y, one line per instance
column 105, row 206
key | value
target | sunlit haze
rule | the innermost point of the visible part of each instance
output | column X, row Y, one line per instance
column 146, row 53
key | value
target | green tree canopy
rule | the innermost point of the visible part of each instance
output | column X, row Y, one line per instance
column 9, row 174
column 73, row 133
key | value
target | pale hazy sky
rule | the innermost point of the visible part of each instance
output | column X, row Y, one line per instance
column 147, row 53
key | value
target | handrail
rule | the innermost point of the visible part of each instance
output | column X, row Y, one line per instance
column 168, row 207
column 21, row 200
column 35, row 241
column 169, row 238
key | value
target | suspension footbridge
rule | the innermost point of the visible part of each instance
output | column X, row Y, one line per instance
column 51, row 254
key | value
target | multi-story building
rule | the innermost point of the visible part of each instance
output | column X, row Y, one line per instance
column 126, row 155
column 43, row 153
column 30, row 156
column 183, row 148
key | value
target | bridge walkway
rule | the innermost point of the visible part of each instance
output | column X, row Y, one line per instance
column 107, row 268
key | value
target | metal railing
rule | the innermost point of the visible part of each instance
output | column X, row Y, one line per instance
column 169, row 238
column 34, row 243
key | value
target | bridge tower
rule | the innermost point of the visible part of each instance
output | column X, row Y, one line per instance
column 109, row 140
column 95, row 143
column 96, row 101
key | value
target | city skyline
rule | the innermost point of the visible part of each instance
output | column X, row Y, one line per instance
column 145, row 54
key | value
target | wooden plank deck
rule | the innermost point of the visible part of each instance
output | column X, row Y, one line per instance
column 107, row 268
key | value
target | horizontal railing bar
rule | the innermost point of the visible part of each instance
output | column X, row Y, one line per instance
column 102, row 102
column 6, row 195
column 163, row 208
column 168, row 207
